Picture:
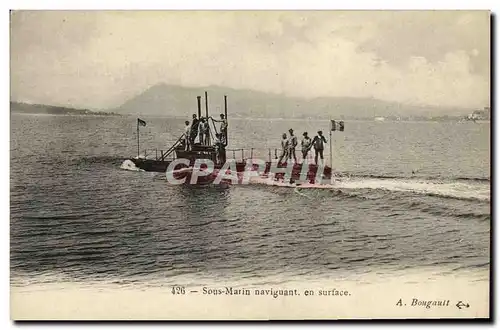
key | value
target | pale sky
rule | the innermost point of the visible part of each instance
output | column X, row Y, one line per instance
column 99, row 59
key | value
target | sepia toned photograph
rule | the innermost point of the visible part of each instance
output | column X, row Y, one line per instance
column 250, row 164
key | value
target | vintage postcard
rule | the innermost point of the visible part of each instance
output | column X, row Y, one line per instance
column 250, row 165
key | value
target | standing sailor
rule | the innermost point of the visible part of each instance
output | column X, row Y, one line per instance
column 306, row 145
column 292, row 143
column 319, row 145
column 187, row 135
column 220, row 149
column 203, row 128
column 284, row 148
column 194, row 130
column 223, row 127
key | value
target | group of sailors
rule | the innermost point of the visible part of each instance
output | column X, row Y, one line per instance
column 199, row 129
column 289, row 143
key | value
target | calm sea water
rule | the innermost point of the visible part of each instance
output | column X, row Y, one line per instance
column 415, row 196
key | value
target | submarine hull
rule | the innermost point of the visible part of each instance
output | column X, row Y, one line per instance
column 181, row 170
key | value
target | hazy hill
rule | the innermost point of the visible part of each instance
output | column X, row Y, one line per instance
column 171, row 100
column 19, row 107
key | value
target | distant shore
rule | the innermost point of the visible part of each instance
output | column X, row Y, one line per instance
column 107, row 114
column 41, row 109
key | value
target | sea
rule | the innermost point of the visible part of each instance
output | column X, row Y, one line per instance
column 410, row 198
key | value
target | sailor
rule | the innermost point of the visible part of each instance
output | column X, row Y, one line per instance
column 187, row 133
column 292, row 143
column 319, row 145
column 306, row 145
column 194, row 129
column 203, row 128
column 223, row 127
column 220, row 148
column 284, row 148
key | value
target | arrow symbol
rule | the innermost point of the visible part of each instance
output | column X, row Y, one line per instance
column 460, row 304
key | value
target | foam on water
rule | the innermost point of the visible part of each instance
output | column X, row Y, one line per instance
column 130, row 166
column 270, row 182
column 459, row 190
column 455, row 189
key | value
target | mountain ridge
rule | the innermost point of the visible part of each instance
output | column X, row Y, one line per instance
column 174, row 100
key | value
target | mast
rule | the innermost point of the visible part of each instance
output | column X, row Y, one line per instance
column 206, row 114
column 199, row 107
column 225, row 116
column 138, row 145
column 206, row 104
column 331, row 143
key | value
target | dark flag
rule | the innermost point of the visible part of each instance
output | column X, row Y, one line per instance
column 141, row 122
column 333, row 126
column 337, row 125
